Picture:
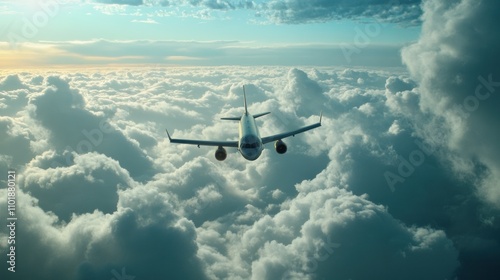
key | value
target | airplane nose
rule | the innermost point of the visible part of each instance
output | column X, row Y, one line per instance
column 250, row 154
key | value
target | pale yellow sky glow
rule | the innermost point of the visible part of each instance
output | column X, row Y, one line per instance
column 32, row 55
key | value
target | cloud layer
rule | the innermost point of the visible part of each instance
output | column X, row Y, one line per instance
column 138, row 205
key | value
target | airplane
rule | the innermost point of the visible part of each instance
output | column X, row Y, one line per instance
column 250, row 144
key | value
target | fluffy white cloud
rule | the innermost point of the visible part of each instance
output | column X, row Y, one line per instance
column 11, row 82
column 15, row 150
column 13, row 94
column 62, row 111
column 145, row 237
column 92, row 182
column 312, row 237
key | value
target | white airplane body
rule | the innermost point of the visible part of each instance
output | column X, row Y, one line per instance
column 250, row 144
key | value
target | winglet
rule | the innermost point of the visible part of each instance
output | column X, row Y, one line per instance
column 169, row 138
column 245, row 99
column 320, row 117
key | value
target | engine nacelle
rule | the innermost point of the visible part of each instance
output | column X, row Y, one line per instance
column 280, row 147
column 220, row 153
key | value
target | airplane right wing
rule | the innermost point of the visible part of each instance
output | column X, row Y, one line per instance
column 291, row 133
column 203, row 142
column 261, row 114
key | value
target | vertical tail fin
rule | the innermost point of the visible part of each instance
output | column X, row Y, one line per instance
column 245, row 98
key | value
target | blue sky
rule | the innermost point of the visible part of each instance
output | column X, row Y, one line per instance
column 30, row 26
column 122, row 22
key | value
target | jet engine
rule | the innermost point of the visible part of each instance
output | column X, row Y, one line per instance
column 280, row 147
column 220, row 153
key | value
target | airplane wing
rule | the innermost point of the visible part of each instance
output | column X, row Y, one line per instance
column 261, row 114
column 203, row 142
column 290, row 133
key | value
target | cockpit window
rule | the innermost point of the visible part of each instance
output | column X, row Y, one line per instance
column 250, row 143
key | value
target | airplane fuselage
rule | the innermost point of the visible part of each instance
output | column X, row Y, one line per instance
column 249, row 143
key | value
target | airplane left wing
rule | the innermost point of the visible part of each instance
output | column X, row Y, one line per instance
column 203, row 142
column 291, row 133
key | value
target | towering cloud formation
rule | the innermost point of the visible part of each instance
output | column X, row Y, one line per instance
column 458, row 69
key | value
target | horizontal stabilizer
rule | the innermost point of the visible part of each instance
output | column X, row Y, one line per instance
column 231, row 119
column 239, row 118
